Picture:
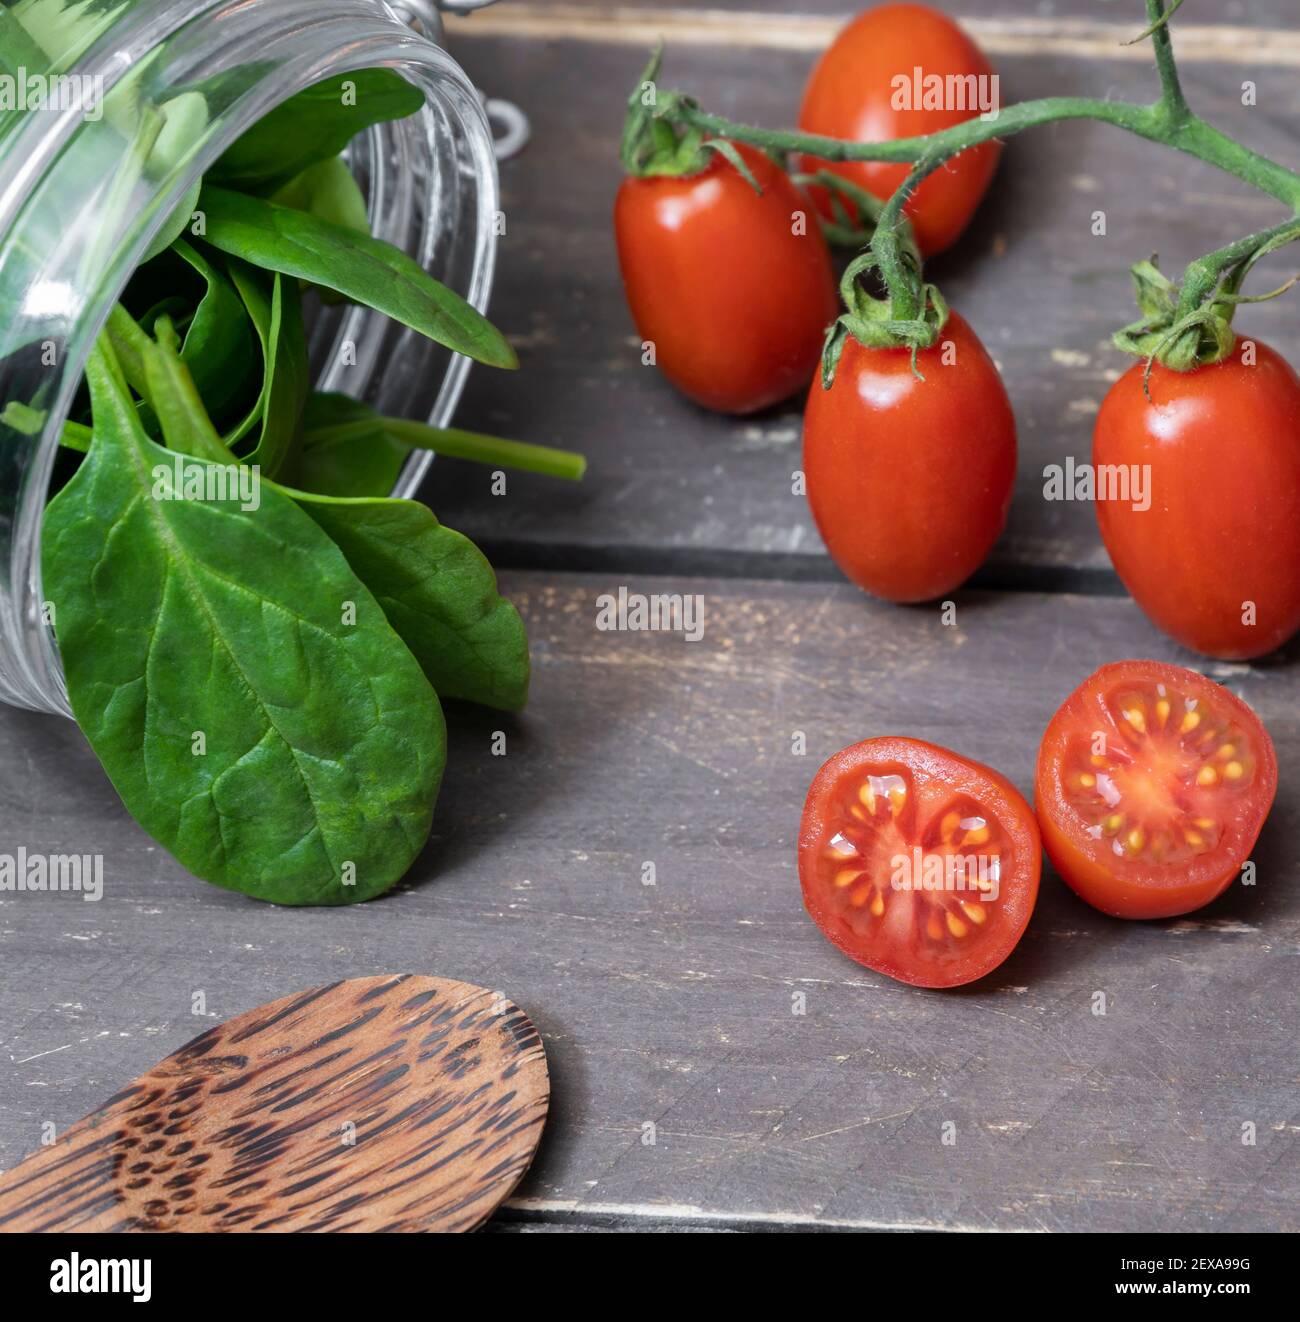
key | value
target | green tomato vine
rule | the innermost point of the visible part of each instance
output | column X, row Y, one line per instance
column 1183, row 325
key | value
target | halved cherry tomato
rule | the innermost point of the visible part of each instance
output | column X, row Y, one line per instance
column 1215, row 559
column 1152, row 785
column 853, row 93
column 732, row 287
column 917, row 862
column 910, row 481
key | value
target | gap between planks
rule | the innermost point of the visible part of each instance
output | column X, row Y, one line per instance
column 632, row 1214
column 640, row 25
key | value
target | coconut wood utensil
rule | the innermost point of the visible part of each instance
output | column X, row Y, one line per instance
column 383, row 1103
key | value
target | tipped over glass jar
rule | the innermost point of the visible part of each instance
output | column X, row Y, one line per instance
column 85, row 195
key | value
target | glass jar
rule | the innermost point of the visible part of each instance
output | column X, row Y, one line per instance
column 76, row 218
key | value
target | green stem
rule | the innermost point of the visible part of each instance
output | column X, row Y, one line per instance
column 479, row 449
column 130, row 343
column 1187, row 134
column 1172, row 101
column 1203, row 275
column 899, row 260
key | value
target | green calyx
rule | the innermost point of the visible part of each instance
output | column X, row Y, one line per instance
column 651, row 145
column 653, row 142
column 1190, row 326
column 1181, row 340
column 908, row 316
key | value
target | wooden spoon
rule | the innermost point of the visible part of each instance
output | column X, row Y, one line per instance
column 382, row 1103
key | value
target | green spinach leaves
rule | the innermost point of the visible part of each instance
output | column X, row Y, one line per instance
column 278, row 741
column 254, row 635
column 361, row 268
column 313, row 126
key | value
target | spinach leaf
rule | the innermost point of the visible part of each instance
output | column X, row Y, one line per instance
column 346, row 450
column 312, row 126
column 219, row 343
column 324, row 740
column 357, row 266
column 18, row 48
column 276, row 313
column 176, row 307
column 185, row 118
column 435, row 586
column 438, row 591
column 328, row 190
column 65, row 29
column 176, row 224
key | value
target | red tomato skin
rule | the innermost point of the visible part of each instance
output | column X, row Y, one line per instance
column 959, row 773
column 735, row 303
column 910, row 481
column 1223, row 445
column 849, row 96
column 1131, row 896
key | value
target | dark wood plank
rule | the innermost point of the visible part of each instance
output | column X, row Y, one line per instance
column 1255, row 13
column 671, row 1004
column 998, row 23
column 673, row 488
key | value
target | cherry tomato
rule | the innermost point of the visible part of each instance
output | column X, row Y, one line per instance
column 1215, row 560
column 1152, row 785
column 910, row 481
column 734, row 289
column 917, row 862
column 853, row 93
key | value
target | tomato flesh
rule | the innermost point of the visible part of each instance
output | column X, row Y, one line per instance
column 917, row 862
column 1153, row 783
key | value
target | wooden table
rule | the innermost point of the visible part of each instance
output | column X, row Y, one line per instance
column 687, row 1091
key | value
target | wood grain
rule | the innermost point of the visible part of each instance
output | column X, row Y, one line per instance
column 1267, row 37
column 689, row 1095
column 376, row 1104
column 672, row 1005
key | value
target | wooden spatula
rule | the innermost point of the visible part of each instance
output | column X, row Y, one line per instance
column 384, row 1103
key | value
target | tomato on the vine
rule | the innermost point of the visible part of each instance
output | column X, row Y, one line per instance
column 917, row 862
column 733, row 288
column 1215, row 559
column 865, row 88
column 1152, row 785
column 910, row 480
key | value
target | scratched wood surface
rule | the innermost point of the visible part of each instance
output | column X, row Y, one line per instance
column 671, row 1005
column 673, row 488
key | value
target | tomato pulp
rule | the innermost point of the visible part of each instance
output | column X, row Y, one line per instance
column 1152, row 785
column 871, row 86
column 917, row 862
column 734, row 289
column 910, row 481
column 1215, row 560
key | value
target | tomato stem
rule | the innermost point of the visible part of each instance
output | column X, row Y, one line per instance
column 1190, row 135
column 1184, row 327
column 1171, row 99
